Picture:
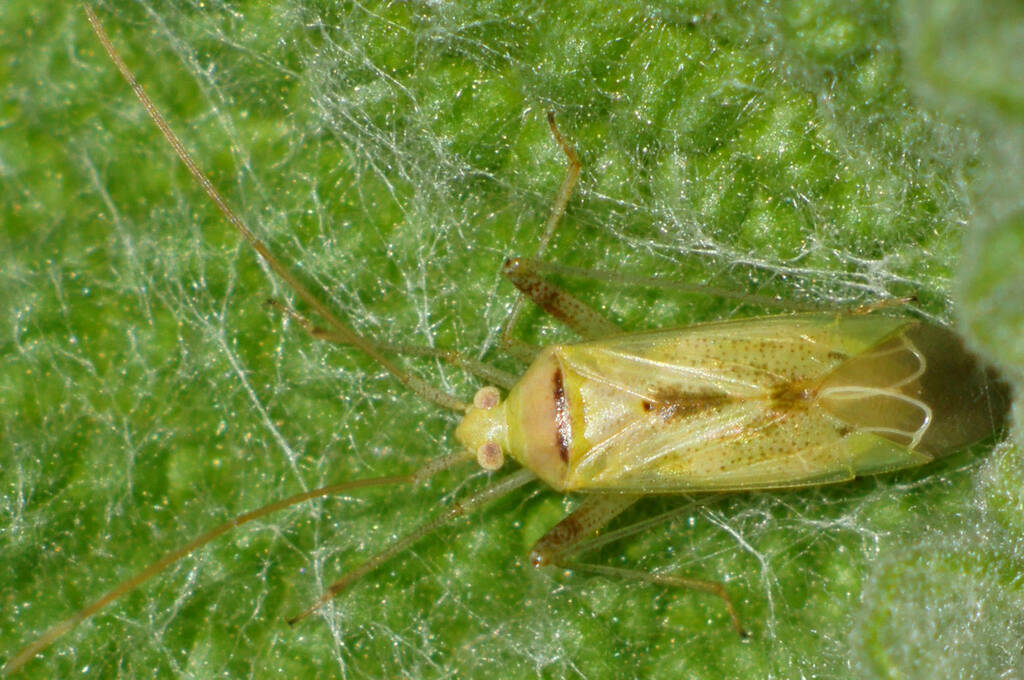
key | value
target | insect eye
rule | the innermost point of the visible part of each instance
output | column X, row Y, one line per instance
column 490, row 457
column 487, row 397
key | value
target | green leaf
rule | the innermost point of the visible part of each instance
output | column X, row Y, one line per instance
column 396, row 154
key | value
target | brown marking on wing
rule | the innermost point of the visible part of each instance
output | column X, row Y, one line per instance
column 791, row 395
column 676, row 405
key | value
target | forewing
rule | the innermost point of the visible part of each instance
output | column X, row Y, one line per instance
column 706, row 408
column 742, row 358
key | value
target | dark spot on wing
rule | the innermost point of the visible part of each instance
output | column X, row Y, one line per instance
column 790, row 395
column 674, row 404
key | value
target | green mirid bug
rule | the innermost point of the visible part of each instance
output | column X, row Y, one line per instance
column 764, row 403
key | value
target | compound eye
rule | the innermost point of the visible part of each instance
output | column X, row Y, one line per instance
column 490, row 457
column 486, row 398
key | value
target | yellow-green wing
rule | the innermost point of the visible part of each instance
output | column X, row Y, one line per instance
column 740, row 358
column 711, row 407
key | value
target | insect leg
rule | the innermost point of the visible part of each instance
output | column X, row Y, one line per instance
column 558, row 545
column 887, row 303
column 567, row 308
column 339, row 327
column 565, row 191
column 48, row 637
column 712, row 587
column 595, row 512
column 492, row 375
column 403, row 543
column 664, row 283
